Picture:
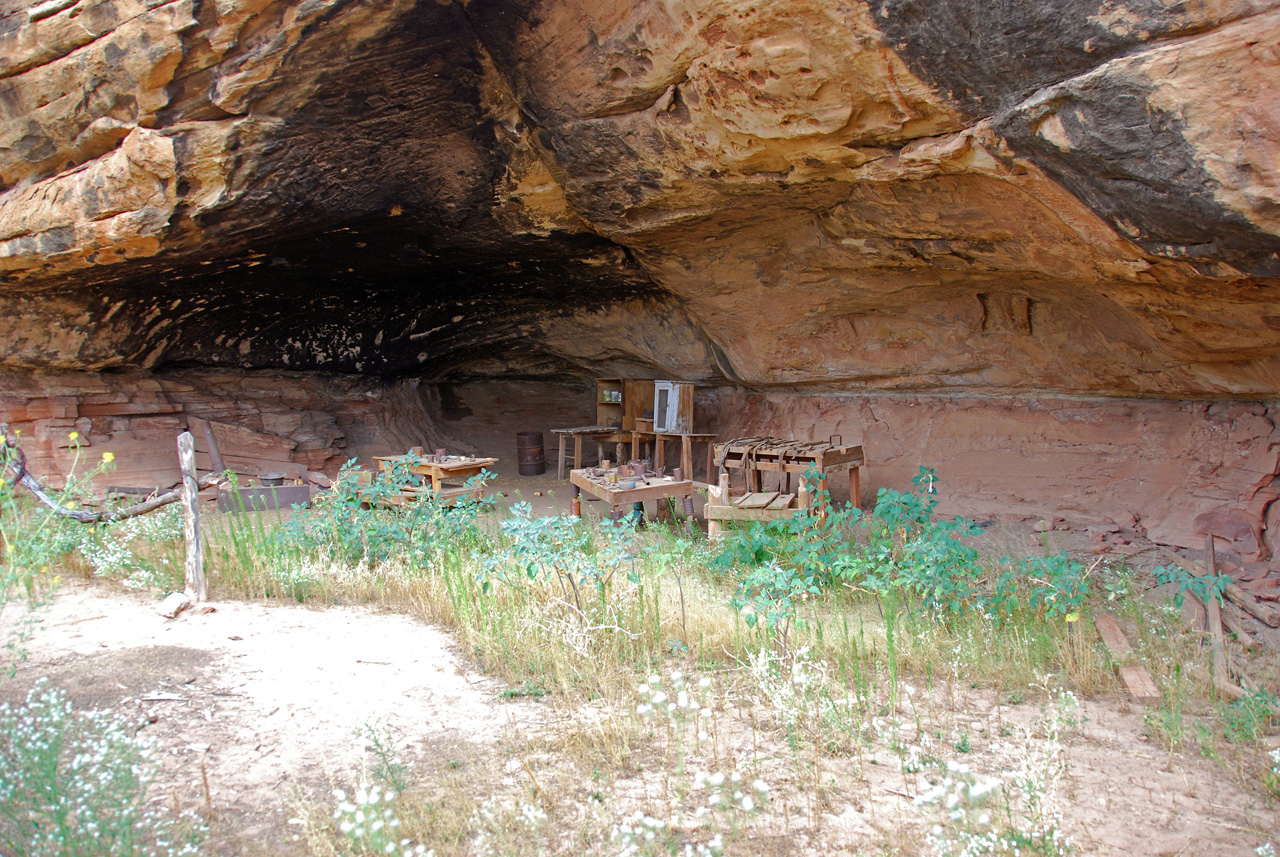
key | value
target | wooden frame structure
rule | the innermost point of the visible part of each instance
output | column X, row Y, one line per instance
column 620, row 407
column 755, row 456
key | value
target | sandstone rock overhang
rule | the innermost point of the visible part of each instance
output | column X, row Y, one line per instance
column 1049, row 196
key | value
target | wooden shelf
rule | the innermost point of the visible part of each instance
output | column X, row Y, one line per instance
column 636, row 397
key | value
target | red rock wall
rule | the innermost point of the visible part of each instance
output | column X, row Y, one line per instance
column 1175, row 470
column 137, row 416
column 1178, row 468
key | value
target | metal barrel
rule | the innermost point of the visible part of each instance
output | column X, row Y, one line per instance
column 529, row 453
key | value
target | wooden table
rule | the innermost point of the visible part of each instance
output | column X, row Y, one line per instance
column 595, row 483
column 600, row 433
column 453, row 467
column 687, row 440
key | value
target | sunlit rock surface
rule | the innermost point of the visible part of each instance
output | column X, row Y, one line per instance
column 930, row 198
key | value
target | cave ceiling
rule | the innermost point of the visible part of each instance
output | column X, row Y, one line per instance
column 1055, row 196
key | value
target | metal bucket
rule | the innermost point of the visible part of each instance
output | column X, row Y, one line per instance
column 529, row 453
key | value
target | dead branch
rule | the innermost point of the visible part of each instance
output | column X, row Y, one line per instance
column 15, row 462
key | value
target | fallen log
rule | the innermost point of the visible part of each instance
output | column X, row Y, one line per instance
column 1233, row 592
column 1231, row 619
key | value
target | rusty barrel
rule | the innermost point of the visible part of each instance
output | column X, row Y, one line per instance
column 533, row 461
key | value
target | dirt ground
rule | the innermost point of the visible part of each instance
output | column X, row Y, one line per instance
column 268, row 703
column 260, row 708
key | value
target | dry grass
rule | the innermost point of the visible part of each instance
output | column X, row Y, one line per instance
column 865, row 703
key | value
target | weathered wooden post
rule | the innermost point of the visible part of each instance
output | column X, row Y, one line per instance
column 717, row 495
column 196, row 586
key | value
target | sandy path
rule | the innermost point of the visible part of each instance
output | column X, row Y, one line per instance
column 270, row 701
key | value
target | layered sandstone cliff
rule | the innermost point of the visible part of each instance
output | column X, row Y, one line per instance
column 1030, row 199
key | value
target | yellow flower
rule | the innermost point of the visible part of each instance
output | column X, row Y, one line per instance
column 73, row 435
column 108, row 457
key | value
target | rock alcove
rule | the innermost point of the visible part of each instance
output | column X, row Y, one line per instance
column 1034, row 245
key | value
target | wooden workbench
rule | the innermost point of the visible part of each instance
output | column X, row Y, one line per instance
column 455, row 467
column 595, row 482
column 756, row 455
column 599, row 433
column 686, row 439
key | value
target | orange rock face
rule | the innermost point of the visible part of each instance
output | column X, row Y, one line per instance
column 1054, row 201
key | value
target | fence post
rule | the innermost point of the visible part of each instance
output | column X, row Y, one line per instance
column 196, row 585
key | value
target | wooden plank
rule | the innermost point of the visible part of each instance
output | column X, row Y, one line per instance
column 756, row 501
column 637, row 397
column 1114, row 639
column 1231, row 619
column 733, row 513
column 1139, row 684
column 1213, row 607
column 1136, row 678
column 585, row 430
column 657, row 489
column 792, row 466
column 782, row 501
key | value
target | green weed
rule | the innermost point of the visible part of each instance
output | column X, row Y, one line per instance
column 75, row 783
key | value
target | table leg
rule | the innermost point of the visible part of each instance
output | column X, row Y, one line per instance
column 657, row 451
column 710, row 475
column 599, row 452
column 560, row 469
column 686, row 456
column 577, row 452
column 635, row 445
column 436, row 482
column 855, row 488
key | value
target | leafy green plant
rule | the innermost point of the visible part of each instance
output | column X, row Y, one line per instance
column 562, row 550
column 530, row 690
column 1058, row 585
column 771, row 593
column 1204, row 588
column 361, row 520
column 906, row 548
column 1244, row 720
column 74, row 783
column 812, row 542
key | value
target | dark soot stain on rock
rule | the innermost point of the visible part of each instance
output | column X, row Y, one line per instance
column 986, row 55
column 383, row 296
column 1130, row 163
